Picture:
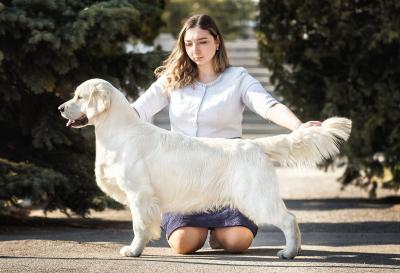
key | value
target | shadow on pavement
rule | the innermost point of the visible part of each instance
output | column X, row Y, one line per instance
column 352, row 227
column 306, row 256
column 99, row 230
column 257, row 258
column 341, row 203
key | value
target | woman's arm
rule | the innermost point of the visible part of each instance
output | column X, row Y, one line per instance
column 282, row 116
column 260, row 101
column 151, row 102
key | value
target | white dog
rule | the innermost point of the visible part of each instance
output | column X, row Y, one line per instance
column 154, row 170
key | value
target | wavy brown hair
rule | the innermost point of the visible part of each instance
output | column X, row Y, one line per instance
column 178, row 68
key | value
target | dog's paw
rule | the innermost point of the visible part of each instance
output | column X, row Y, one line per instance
column 284, row 254
column 127, row 251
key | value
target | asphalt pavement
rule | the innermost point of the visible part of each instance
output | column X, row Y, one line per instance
column 343, row 231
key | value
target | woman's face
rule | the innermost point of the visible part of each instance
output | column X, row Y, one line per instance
column 200, row 46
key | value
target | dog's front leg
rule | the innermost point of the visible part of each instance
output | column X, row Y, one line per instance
column 146, row 218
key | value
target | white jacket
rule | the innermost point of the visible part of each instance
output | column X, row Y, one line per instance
column 212, row 110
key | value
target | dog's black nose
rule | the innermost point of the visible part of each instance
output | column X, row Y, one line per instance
column 61, row 108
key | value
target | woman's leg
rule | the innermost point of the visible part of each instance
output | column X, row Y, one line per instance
column 186, row 240
column 236, row 239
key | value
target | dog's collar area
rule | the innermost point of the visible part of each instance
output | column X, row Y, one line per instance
column 82, row 121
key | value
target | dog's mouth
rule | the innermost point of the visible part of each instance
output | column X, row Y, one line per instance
column 79, row 122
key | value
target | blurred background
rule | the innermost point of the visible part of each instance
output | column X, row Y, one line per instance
column 320, row 58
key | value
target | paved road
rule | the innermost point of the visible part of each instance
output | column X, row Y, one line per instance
column 342, row 232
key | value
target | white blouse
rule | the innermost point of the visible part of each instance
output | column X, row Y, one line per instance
column 213, row 109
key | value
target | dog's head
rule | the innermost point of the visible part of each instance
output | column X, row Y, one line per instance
column 92, row 98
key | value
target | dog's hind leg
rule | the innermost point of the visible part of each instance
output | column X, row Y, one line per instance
column 275, row 213
column 287, row 222
column 284, row 220
column 263, row 205
column 146, row 222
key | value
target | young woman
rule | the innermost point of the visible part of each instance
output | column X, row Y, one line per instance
column 206, row 98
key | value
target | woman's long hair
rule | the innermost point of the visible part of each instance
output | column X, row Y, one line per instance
column 178, row 68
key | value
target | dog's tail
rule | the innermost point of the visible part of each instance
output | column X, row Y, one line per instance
column 307, row 146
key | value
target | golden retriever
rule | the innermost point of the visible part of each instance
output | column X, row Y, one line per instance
column 153, row 170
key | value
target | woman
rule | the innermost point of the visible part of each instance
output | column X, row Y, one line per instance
column 207, row 97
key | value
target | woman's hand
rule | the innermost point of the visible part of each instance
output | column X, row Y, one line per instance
column 309, row 124
column 281, row 115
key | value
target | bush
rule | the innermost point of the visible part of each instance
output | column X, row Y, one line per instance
column 341, row 58
column 46, row 49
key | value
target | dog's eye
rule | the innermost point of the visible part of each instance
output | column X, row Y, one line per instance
column 80, row 97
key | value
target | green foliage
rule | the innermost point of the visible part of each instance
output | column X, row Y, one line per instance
column 232, row 16
column 341, row 58
column 46, row 49
column 27, row 181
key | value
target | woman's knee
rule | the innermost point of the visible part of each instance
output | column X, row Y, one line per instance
column 234, row 239
column 186, row 240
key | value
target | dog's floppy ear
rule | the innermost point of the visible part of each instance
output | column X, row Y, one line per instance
column 99, row 100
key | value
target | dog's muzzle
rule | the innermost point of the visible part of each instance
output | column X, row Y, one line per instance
column 82, row 121
column 79, row 122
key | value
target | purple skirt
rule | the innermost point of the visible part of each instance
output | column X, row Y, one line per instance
column 225, row 217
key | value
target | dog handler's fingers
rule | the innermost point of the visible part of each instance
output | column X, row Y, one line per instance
column 316, row 123
column 310, row 123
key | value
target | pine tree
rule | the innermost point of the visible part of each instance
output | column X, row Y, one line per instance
column 48, row 47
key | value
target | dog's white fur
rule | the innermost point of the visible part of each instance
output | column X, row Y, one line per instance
column 154, row 170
